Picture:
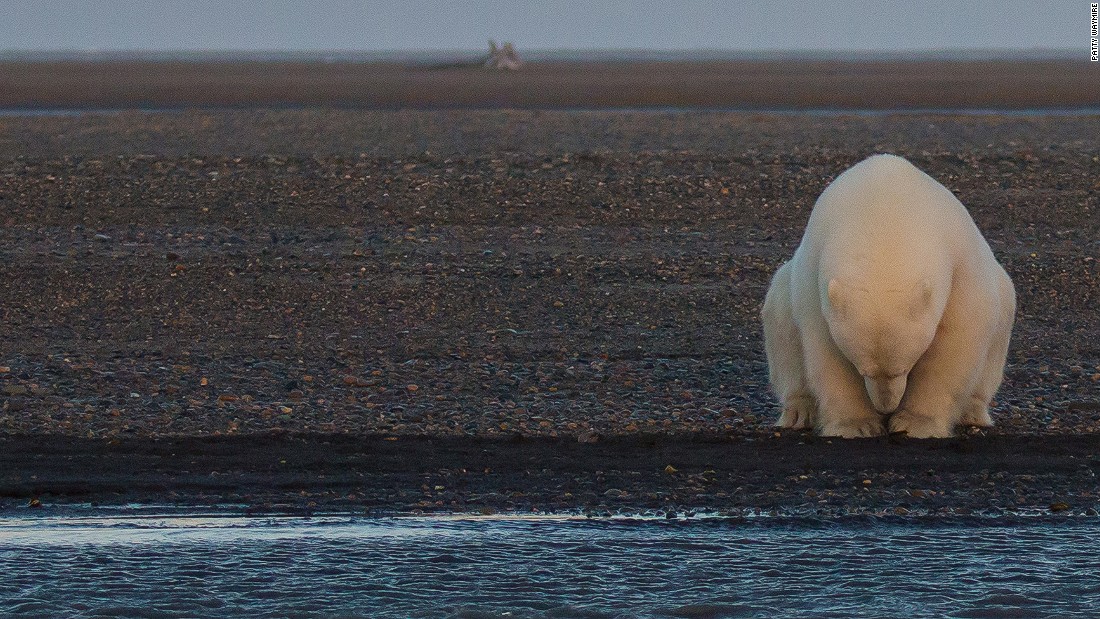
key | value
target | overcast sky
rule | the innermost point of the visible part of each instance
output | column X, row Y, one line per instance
column 550, row 24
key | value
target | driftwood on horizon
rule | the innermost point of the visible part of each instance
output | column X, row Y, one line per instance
column 501, row 58
column 504, row 57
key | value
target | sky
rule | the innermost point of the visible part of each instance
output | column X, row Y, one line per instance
column 399, row 25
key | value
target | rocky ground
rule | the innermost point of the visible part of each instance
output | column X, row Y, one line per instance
column 529, row 283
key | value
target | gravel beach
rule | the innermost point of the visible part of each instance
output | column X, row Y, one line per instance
column 500, row 310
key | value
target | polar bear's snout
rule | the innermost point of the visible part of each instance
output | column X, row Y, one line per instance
column 885, row 393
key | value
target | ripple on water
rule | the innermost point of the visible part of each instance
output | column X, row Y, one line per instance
column 559, row 569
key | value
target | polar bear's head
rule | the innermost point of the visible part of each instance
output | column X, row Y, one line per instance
column 883, row 333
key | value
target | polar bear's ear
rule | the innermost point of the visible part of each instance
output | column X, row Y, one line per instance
column 836, row 296
column 923, row 299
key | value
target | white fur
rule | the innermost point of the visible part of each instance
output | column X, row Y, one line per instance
column 892, row 314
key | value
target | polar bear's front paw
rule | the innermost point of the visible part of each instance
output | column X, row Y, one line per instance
column 860, row 427
column 920, row 426
column 976, row 413
column 798, row 413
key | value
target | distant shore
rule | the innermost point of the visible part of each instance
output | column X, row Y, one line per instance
column 786, row 83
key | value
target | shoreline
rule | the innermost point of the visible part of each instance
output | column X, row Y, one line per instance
column 791, row 475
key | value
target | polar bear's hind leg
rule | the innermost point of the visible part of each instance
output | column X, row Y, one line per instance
column 783, row 346
column 976, row 413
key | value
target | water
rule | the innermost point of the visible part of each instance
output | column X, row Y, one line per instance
column 550, row 567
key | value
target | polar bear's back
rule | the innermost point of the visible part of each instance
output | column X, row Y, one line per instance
column 887, row 192
column 885, row 214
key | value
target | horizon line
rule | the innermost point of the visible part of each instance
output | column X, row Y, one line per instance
column 1068, row 52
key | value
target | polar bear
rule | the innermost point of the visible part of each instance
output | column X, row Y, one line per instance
column 893, row 313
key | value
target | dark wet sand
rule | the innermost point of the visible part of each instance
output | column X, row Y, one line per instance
column 542, row 309
column 656, row 474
